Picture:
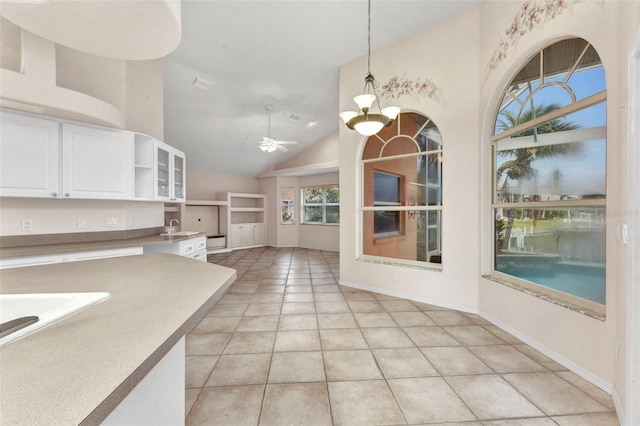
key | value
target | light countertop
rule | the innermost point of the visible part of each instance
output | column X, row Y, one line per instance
column 45, row 249
column 77, row 370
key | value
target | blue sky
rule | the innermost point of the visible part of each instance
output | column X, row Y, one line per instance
column 582, row 173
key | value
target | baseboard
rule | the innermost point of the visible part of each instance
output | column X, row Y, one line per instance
column 305, row 247
column 560, row 359
column 618, row 405
column 412, row 297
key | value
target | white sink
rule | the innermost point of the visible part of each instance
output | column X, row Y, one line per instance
column 48, row 307
column 180, row 234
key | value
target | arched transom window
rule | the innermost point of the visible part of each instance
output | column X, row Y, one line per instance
column 549, row 151
column 402, row 192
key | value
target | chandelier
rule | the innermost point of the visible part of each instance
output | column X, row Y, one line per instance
column 368, row 121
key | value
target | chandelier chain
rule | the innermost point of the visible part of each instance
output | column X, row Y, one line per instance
column 369, row 40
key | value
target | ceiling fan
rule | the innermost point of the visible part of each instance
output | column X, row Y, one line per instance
column 269, row 144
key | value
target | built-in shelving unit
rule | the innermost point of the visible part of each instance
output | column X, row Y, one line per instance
column 245, row 224
column 143, row 167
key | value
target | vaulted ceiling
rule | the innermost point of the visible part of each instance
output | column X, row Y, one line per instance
column 281, row 53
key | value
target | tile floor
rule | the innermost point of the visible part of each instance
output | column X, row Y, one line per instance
column 287, row 345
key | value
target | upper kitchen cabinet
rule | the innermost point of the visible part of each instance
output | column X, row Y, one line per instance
column 56, row 158
column 29, row 156
column 170, row 174
column 97, row 163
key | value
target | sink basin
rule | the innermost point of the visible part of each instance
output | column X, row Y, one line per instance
column 180, row 234
column 48, row 307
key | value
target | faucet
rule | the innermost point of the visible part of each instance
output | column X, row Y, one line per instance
column 171, row 229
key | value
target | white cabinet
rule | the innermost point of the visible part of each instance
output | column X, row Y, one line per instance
column 48, row 158
column 19, row 262
column 29, row 156
column 159, row 171
column 97, row 163
column 259, row 236
column 170, row 173
column 247, row 235
column 245, row 222
column 55, row 158
column 195, row 248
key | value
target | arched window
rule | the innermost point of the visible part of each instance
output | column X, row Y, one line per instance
column 402, row 192
column 549, row 151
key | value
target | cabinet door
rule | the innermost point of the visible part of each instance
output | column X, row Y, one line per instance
column 97, row 163
column 178, row 165
column 29, row 156
column 21, row 262
column 236, row 235
column 258, row 233
column 246, row 235
column 163, row 174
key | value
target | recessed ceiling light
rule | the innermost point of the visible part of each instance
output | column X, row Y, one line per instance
column 202, row 84
column 311, row 123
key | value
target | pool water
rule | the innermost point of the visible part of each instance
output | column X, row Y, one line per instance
column 585, row 281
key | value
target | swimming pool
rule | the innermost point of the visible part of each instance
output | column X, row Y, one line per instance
column 585, row 281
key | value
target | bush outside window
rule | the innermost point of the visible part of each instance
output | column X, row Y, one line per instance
column 287, row 205
column 549, row 154
column 321, row 204
column 401, row 172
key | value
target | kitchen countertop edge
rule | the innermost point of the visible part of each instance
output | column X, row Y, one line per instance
column 138, row 345
column 49, row 249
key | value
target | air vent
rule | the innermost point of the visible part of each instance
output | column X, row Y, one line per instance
column 293, row 116
column 202, row 84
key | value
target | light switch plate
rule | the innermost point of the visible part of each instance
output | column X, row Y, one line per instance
column 27, row 225
column 111, row 222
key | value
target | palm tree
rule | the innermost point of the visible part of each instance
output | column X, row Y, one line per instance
column 518, row 167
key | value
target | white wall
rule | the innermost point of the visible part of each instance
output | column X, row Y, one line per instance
column 446, row 55
column 587, row 344
column 205, row 185
column 318, row 237
column 61, row 216
column 454, row 56
column 324, row 151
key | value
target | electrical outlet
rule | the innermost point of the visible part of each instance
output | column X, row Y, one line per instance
column 394, row 277
column 111, row 221
column 27, row 225
column 82, row 223
column 624, row 233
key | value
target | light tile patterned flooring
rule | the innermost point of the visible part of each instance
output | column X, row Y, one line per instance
column 287, row 345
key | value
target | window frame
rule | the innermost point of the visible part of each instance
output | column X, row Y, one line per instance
column 559, row 297
column 288, row 205
column 405, row 206
column 324, row 204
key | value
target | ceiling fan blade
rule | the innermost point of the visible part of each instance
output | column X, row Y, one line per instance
column 282, row 148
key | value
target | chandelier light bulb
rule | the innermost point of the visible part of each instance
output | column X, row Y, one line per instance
column 365, row 101
column 391, row 112
column 347, row 115
column 368, row 128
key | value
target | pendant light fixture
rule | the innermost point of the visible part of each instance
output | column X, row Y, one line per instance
column 368, row 121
